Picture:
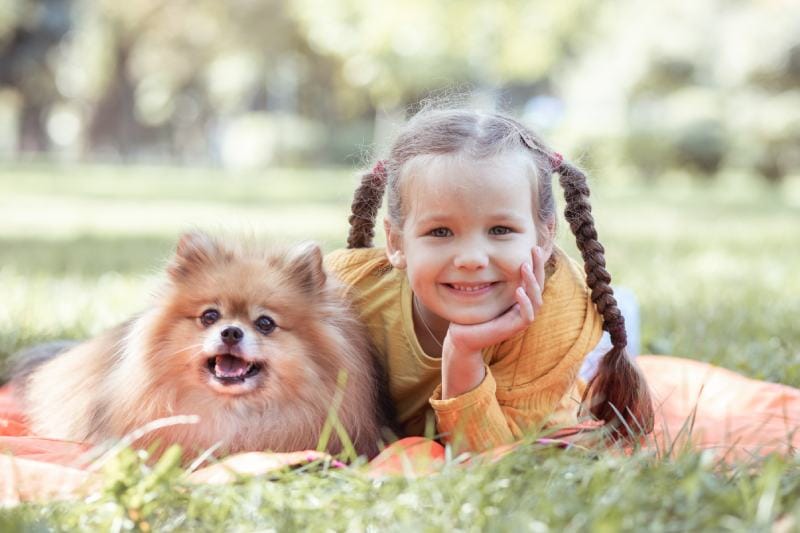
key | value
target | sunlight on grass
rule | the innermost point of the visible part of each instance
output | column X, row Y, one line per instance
column 66, row 217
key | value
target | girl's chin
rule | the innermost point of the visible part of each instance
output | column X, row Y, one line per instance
column 475, row 317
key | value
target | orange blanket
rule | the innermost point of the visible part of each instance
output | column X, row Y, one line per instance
column 708, row 407
column 697, row 405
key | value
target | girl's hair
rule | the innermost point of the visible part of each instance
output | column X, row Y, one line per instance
column 618, row 389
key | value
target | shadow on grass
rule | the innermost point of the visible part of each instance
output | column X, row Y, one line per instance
column 86, row 256
column 90, row 256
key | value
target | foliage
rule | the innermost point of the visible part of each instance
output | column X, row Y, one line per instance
column 197, row 80
column 667, row 95
column 253, row 83
column 401, row 51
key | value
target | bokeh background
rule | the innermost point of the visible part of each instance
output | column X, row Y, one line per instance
column 124, row 123
column 704, row 87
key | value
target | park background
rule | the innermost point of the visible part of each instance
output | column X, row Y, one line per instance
column 123, row 124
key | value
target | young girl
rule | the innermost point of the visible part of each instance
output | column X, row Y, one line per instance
column 478, row 316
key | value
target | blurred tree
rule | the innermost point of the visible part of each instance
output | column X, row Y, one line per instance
column 113, row 124
column 701, row 147
column 673, row 95
column 399, row 52
column 154, row 75
column 258, row 81
column 165, row 77
column 29, row 32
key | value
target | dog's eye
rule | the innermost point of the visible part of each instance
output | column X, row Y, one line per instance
column 209, row 316
column 265, row 324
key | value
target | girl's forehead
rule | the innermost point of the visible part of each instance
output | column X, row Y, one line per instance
column 450, row 173
column 448, row 183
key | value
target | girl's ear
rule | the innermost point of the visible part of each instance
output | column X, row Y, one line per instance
column 394, row 245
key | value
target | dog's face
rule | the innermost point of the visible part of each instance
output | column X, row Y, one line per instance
column 238, row 324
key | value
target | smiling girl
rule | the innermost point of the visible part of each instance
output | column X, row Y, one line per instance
column 479, row 318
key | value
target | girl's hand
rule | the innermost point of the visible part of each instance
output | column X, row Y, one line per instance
column 462, row 361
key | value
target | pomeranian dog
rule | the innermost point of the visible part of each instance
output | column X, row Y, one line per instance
column 252, row 341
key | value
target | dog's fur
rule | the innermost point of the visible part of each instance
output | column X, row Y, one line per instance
column 166, row 361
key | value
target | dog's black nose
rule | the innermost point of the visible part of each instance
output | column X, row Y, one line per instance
column 231, row 335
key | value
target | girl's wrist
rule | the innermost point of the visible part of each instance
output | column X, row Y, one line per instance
column 455, row 352
column 462, row 371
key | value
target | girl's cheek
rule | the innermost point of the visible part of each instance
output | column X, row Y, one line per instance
column 522, row 256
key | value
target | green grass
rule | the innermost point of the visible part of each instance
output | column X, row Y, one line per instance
column 714, row 269
column 534, row 489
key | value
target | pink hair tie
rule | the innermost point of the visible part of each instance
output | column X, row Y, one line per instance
column 555, row 160
column 379, row 172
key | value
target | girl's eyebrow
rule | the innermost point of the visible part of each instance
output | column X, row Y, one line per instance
column 507, row 215
column 433, row 219
column 496, row 216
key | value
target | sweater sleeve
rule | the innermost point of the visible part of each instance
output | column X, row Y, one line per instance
column 474, row 420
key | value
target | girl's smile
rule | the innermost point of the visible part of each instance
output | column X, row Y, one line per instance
column 468, row 230
column 471, row 290
column 470, row 287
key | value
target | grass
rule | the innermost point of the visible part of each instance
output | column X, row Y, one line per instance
column 534, row 489
column 713, row 268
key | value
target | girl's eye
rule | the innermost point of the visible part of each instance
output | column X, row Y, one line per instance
column 440, row 232
column 265, row 324
column 500, row 230
column 209, row 316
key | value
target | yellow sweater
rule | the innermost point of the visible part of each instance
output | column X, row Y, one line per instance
column 531, row 378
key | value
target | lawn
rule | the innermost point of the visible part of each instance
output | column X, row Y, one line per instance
column 713, row 267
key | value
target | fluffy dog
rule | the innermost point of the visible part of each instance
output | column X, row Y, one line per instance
column 250, row 340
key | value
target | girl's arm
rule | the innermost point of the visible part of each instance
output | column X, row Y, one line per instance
column 531, row 382
column 462, row 361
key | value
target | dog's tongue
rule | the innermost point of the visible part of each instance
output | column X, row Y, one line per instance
column 228, row 366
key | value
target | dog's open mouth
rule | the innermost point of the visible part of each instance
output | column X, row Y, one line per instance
column 230, row 370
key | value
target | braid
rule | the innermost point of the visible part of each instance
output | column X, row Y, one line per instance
column 366, row 202
column 618, row 383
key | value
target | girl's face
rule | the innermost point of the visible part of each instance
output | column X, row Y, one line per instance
column 469, row 227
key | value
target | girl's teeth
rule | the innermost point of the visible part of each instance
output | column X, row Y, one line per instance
column 470, row 289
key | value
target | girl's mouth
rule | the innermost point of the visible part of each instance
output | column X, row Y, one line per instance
column 470, row 289
column 229, row 369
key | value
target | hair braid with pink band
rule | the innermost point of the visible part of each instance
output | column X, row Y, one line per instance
column 366, row 203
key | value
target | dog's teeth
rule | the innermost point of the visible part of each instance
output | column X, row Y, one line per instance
column 228, row 366
column 230, row 369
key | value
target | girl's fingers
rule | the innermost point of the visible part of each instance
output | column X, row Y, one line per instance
column 526, row 309
column 514, row 320
column 497, row 330
column 521, row 315
column 532, row 286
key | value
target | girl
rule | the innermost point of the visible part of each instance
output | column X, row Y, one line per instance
column 478, row 316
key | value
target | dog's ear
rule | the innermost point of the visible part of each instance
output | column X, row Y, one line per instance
column 304, row 264
column 194, row 250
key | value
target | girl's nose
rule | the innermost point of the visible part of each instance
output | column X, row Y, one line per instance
column 472, row 259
